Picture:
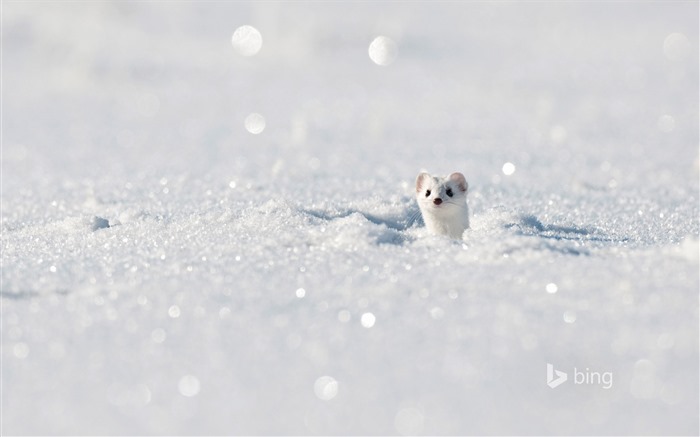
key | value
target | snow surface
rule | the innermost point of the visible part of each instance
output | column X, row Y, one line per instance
column 165, row 271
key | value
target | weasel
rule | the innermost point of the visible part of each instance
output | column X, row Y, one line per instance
column 443, row 203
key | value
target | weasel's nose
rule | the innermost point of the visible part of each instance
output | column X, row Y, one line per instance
column 437, row 201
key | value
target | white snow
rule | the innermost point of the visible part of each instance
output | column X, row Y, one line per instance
column 168, row 270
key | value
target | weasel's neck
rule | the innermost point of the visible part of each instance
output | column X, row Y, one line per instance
column 452, row 224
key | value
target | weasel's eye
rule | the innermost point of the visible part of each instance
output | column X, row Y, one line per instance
column 427, row 193
column 449, row 192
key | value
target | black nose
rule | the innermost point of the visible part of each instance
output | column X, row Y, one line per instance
column 437, row 201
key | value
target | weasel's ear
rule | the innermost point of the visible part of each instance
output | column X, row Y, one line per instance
column 420, row 180
column 459, row 179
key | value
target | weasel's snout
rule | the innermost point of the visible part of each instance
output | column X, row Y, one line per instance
column 437, row 201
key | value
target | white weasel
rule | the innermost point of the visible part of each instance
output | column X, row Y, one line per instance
column 443, row 203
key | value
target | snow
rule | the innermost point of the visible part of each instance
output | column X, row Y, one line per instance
column 172, row 266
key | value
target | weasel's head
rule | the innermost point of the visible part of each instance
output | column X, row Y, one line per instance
column 438, row 195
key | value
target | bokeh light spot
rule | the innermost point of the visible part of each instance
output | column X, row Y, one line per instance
column 188, row 386
column 367, row 320
column 569, row 316
column 676, row 47
column 247, row 40
column 508, row 168
column 383, row 50
column 326, row 388
column 437, row 313
column 174, row 311
column 224, row 313
column 255, row 123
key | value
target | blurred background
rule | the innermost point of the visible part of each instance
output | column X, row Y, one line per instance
column 129, row 87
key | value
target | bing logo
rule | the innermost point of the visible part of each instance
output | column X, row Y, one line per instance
column 555, row 378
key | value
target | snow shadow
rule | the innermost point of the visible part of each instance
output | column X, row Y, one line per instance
column 531, row 225
column 568, row 240
column 394, row 224
column 25, row 294
column 397, row 222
